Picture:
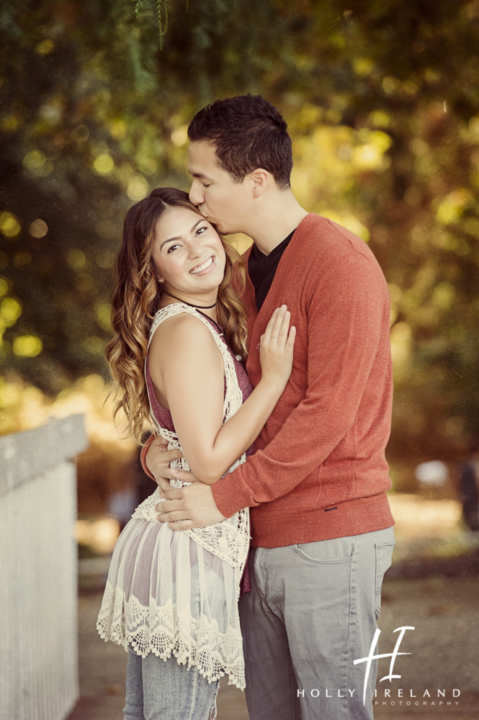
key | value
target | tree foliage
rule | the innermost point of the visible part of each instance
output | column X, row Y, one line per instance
column 382, row 100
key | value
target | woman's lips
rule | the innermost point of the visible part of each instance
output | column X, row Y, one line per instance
column 204, row 267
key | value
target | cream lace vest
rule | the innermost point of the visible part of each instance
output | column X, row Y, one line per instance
column 229, row 539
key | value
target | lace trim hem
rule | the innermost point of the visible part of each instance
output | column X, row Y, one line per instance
column 159, row 630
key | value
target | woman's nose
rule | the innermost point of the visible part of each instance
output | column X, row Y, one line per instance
column 197, row 196
column 195, row 249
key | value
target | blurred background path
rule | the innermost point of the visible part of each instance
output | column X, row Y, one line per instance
column 441, row 610
column 433, row 586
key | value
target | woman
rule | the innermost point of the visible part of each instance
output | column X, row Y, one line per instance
column 180, row 332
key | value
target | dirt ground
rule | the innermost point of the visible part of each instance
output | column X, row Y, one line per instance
column 444, row 656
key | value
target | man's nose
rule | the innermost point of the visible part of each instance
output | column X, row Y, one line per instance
column 197, row 196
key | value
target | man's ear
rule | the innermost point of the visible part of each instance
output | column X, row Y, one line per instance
column 260, row 180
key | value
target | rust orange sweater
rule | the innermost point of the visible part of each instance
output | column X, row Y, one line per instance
column 319, row 469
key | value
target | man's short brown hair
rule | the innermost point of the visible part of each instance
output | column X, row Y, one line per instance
column 248, row 133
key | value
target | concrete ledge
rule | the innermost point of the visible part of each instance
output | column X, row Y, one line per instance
column 26, row 455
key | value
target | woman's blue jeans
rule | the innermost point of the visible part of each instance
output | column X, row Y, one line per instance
column 161, row 689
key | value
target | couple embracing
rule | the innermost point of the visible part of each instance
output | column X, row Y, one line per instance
column 268, row 381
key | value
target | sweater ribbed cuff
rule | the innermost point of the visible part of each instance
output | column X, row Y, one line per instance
column 143, row 453
column 232, row 494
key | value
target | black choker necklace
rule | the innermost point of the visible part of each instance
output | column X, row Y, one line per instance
column 199, row 307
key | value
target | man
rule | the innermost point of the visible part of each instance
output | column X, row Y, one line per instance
column 469, row 487
column 321, row 526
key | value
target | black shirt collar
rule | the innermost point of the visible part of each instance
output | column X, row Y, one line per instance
column 262, row 268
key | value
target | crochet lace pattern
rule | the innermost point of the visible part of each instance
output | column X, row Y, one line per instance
column 229, row 539
column 168, row 627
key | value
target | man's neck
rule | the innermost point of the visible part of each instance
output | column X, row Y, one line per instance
column 276, row 221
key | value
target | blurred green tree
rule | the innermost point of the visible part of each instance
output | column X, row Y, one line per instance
column 382, row 101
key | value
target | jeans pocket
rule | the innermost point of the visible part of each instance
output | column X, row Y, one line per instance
column 384, row 553
column 328, row 551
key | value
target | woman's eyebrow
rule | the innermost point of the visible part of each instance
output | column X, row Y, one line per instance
column 173, row 239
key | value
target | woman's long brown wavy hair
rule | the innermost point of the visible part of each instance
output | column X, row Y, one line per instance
column 137, row 298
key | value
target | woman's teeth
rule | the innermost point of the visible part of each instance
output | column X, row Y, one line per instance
column 200, row 268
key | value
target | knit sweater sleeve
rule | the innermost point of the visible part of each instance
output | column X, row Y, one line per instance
column 347, row 325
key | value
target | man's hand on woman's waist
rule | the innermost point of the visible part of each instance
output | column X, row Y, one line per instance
column 185, row 508
column 189, row 507
column 156, row 459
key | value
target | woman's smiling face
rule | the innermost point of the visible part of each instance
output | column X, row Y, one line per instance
column 188, row 254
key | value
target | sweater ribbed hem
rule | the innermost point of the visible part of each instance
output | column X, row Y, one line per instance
column 304, row 525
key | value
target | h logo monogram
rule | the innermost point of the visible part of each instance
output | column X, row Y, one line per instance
column 369, row 659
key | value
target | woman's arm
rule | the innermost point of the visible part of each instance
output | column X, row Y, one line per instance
column 187, row 369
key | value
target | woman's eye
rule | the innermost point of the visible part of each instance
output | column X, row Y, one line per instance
column 172, row 247
column 201, row 230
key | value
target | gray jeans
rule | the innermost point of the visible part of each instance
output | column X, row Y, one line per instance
column 159, row 689
column 312, row 611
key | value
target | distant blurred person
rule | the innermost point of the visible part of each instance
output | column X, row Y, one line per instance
column 122, row 503
column 469, row 487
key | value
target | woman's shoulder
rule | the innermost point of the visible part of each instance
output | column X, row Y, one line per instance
column 182, row 322
column 182, row 332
